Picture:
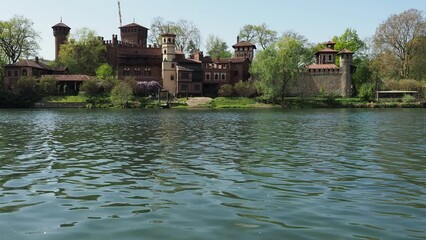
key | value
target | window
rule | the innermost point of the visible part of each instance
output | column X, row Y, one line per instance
column 137, row 72
column 173, row 65
column 16, row 73
column 329, row 57
column 172, row 77
column 223, row 76
column 207, row 76
column 24, row 72
column 236, row 73
column 126, row 71
column 9, row 73
column 147, row 72
column 184, row 87
column 216, row 76
column 184, row 75
column 165, row 51
column 197, row 88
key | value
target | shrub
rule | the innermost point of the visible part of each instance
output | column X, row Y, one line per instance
column 226, row 90
column 91, row 88
column 109, row 83
column 408, row 99
column 366, row 92
column 121, row 94
column 245, row 89
column 47, row 86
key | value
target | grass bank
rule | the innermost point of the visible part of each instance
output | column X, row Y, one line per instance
column 238, row 102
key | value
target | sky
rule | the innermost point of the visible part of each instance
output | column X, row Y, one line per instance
column 317, row 20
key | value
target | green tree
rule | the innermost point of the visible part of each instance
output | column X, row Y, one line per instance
column 351, row 41
column 245, row 89
column 83, row 53
column 277, row 65
column 217, row 48
column 121, row 94
column 226, row 90
column 187, row 33
column 47, row 86
column 91, row 88
column 18, row 38
column 396, row 36
column 104, row 71
column 260, row 35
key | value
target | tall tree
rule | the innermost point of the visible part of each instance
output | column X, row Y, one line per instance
column 83, row 53
column 186, row 33
column 260, row 35
column 351, row 41
column 282, row 62
column 18, row 38
column 397, row 35
column 217, row 48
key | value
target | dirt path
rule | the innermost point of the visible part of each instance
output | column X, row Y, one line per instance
column 198, row 101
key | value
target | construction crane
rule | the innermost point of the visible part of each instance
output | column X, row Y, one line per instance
column 119, row 13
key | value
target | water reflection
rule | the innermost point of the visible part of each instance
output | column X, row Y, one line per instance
column 320, row 174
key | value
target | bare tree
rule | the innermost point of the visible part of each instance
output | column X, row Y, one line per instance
column 397, row 36
column 18, row 38
column 258, row 34
column 186, row 32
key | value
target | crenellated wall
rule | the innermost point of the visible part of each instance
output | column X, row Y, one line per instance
column 309, row 84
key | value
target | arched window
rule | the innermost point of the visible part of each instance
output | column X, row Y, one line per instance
column 165, row 51
column 24, row 72
column 216, row 76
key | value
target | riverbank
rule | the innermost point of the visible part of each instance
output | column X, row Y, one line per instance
column 236, row 103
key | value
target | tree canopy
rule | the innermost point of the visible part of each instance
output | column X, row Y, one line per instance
column 187, row 33
column 260, row 35
column 397, row 39
column 83, row 53
column 351, row 41
column 18, row 38
column 277, row 65
column 217, row 48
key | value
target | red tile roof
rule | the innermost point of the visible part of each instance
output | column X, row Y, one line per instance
column 133, row 25
column 327, row 50
column 61, row 25
column 70, row 78
column 231, row 60
column 346, row 51
column 31, row 63
column 323, row 66
column 244, row 44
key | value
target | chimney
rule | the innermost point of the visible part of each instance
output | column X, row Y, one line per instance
column 36, row 59
column 238, row 38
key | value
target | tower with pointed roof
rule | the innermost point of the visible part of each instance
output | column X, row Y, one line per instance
column 346, row 70
column 169, row 62
column 244, row 49
column 60, row 31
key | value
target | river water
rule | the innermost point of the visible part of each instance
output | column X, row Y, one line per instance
column 206, row 174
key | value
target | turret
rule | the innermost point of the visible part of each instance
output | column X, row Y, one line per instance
column 134, row 34
column 244, row 49
column 168, row 48
column 345, row 69
column 60, row 31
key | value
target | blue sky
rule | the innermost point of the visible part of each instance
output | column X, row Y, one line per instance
column 318, row 20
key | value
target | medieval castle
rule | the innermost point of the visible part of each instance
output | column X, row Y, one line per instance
column 195, row 76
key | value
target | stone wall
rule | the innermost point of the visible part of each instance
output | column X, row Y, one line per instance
column 310, row 84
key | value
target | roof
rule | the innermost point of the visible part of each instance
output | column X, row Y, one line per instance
column 61, row 24
column 66, row 78
column 330, row 42
column 323, row 66
column 31, row 63
column 188, row 60
column 346, row 51
column 231, row 60
column 132, row 25
column 327, row 50
column 182, row 68
column 244, row 44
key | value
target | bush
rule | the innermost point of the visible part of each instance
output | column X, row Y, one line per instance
column 366, row 92
column 47, row 86
column 91, row 88
column 245, row 89
column 109, row 83
column 408, row 99
column 404, row 85
column 121, row 94
column 226, row 90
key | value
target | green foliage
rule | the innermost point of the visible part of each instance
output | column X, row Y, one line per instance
column 84, row 53
column 408, row 99
column 260, row 35
column 366, row 92
column 245, row 89
column 277, row 65
column 226, row 90
column 47, row 86
column 404, row 85
column 109, row 83
column 233, row 102
column 18, row 38
column 217, row 48
column 121, row 94
column 65, row 99
column 351, row 41
column 104, row 71
column 91, row 88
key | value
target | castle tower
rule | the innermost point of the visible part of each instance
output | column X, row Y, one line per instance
column 60, row 31
column 327, row 55
column 346, row 70
column 134, row 34
column 169, row 62
column 244, row 49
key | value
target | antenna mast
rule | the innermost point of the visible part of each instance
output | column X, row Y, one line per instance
column 119, row 13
